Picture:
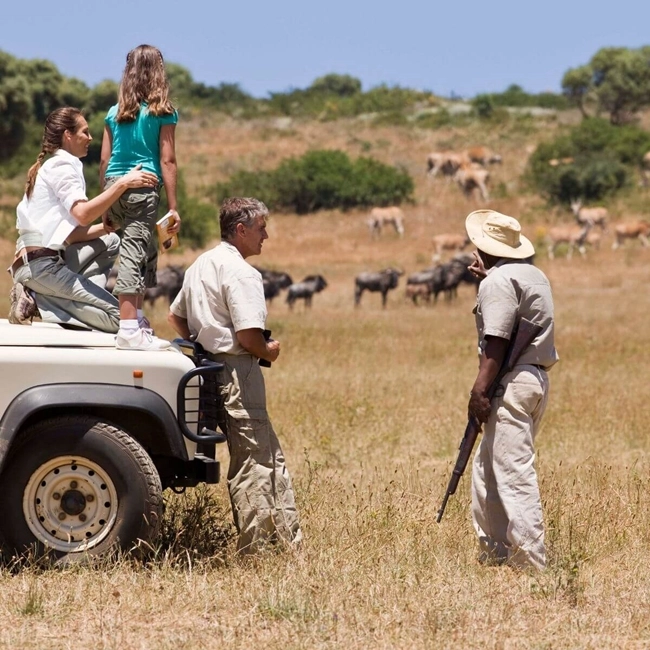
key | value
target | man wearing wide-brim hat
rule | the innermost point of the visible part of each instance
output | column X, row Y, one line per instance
column 506, row 504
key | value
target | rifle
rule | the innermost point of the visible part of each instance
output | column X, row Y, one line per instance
column 522, row 336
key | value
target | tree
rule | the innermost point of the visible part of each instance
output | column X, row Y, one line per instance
column 342, row 85
column 102, row 96
column 180, row 80
column 618, row 78
column 576, row 85
column 45, row 85
column 15, row 105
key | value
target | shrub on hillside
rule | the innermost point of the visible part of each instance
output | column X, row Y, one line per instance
column 516, row 97
column 322, row 179
column 199, row 218
column 598, row 160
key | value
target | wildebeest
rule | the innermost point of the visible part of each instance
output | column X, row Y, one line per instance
column 383, row 217
column 457, row 271
column 169, row 281
column 274, row 282
column 432, row 280
column 306, row 289
column 383, row 281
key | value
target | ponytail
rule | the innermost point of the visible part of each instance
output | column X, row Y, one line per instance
column 31, row 174
column 56, row 124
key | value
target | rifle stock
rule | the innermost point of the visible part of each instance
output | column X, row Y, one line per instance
column 523, row 335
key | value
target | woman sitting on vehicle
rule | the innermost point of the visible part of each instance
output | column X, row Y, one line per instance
column 62, row 261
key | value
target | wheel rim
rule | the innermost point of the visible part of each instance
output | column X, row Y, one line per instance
column 70, row 504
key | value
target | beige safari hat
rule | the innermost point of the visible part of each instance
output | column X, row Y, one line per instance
column 498, row 235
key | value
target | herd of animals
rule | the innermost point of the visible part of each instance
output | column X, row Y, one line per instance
column 469, row 169
column 442, row 278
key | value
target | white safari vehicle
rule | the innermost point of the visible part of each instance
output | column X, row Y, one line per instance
column 90, row 436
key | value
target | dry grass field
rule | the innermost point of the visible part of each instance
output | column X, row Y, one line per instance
column 370, row 405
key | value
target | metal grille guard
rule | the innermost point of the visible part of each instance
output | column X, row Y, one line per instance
column 205, row 411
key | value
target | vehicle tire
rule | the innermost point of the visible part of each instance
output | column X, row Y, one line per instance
column 76, row 487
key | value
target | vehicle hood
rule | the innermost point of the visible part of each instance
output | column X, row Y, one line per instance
column 51, row 335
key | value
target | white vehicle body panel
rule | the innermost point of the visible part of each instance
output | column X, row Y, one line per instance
column 48, row 354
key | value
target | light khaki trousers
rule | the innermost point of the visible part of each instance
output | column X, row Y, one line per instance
column 506, row 504
column 261, row 494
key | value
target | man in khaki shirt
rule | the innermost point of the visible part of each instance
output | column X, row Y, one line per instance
column 506, row 504
column 222, row 306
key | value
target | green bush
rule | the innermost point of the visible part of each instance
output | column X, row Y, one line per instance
column 517, row 97
column 603, row 157
column 200, row 220
column 322, row 179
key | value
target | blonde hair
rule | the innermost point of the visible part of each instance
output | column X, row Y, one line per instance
column 143, row 80
column 56, row 124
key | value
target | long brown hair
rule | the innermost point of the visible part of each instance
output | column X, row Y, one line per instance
column 56, row 124
column 143, row 80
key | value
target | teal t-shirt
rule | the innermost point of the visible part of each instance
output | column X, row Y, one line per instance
column 137, row 142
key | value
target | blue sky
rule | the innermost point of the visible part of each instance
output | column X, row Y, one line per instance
column 460, row 46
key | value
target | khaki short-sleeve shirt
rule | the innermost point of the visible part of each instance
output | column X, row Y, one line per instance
column 221, row 295
column 514, row 290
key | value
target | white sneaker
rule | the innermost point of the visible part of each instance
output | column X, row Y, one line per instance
column 140, row 340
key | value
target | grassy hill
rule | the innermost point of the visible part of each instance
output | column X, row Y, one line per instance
column 370, row 405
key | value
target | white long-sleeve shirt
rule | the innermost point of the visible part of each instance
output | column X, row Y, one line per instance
column 45, row 219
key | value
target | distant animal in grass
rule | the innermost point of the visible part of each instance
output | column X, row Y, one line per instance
column 274, row 282
column 382, row 282
column 473, row 177
column 381, row 218
column 483, row 155
column 595, row 216
column 305, row 290
column 573, row 236
column 631, row 230
column 448, row 242
column 169, row 281
column 445, row 162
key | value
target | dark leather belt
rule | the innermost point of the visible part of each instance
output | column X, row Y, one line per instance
column 32, row 255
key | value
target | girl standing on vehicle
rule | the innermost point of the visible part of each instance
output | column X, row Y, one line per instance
column 62, row 259
column 140, row 129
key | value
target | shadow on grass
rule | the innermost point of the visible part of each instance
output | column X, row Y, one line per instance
column 196, row 529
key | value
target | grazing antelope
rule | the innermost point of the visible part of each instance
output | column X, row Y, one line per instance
column 447, row 162
column 483, row 155
column 471, row 177
column 574, row 236
column 595, row 216
column 382, row 217
column 631, row 230
column 448, row 243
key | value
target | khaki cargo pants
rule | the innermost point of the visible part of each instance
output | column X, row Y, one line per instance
column 136, row 212
column 506, row 504
column 259, row 483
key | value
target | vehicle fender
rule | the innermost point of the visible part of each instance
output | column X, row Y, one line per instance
column 124, row 406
